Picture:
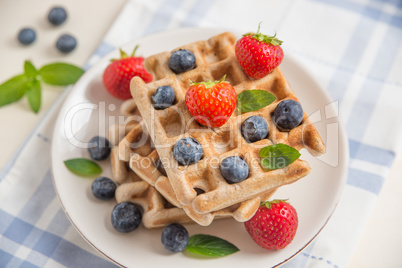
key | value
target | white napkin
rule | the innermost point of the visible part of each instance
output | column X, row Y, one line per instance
column 352, row 48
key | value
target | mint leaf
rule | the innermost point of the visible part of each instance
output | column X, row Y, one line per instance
column 278, row 156
column 34, row 95
column 253, row 100
column 209, row 245
column 83, row 167
column 13, row 89
column 60, row 74
column 30, row 70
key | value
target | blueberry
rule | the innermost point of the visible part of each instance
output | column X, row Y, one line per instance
column 99, row 148
column 160, row 167
column 57, row 16
column 175, row 237
column 66, row 43
column 103, row 188
column 234, row 169
column 187, row 151
column 254, row 128
column 126, row 217
column 181, row 61
column 26, row 36
column 288, row 115
column 163, row 98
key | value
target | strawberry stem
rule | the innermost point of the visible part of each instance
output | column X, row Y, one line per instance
column 275, row 201
column 209, row 83
column 135, row 50
column 265, row 38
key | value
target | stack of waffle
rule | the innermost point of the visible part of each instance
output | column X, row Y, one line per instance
column 143, row 162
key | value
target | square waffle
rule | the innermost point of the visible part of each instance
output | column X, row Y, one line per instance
column 146, row 167
column 157, row 211
column 214, row 59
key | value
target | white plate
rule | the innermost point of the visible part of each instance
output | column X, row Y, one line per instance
column 88, row 111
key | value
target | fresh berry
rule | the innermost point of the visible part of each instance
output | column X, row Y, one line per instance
column 274, row 225
column 99, row 148
column 126, row 217
column 181, row 61
column 187, row 151
column 26, row 36
column 118, row 74
column 258, row 54
column 57, row 16
column 288, row 115
column 234, row 169
column 211, row 103
column 66, row 43
column 175, row 237
column 163, row 98
column 103, row 188
column 254, row 128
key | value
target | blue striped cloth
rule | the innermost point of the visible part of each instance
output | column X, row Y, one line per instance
column 353, row 49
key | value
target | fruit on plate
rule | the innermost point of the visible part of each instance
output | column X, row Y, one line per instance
column 99, row 148
column 117, row 75
column 126, row 217
column 234, row 169
column 288, row 114
column 211, row 103
column 175, row 237
column 187, row 151
column 258, row 54
column 182, row 61
column 274, row 224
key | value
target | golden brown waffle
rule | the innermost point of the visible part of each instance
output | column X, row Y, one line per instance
column 215, row 58
column 144, row 165
column 157, row 211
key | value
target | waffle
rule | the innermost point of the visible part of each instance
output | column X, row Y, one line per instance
column 157, row 211
column 215, row 58
column 145, row 166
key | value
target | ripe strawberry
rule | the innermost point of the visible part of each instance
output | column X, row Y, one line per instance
column 274, row 224
column 258, row 54
column 211, row 103
column 118, row 74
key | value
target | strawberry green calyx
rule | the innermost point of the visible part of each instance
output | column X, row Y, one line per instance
column 209, row 83
column 124, row 55
column 268, row 204
column 265, row 38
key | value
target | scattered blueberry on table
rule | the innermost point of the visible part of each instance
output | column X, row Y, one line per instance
column 57, row 16
column 66, row 43
column 175, row 237
column 27, row 36
column 103, row 188
column 163, row 97
column 181, row 61
column 99, row 148
column 288, row 114
column 126, row 217
column 254, row 128
column 187, row 151
column 234, row 169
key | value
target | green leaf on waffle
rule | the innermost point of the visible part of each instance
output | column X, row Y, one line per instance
column 60, row 74
column 278, row 156
column 211, row 246
column 253, row 100
column 13, row 89
column 83, row 167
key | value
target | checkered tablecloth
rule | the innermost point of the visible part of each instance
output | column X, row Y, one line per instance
column 352, row 48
